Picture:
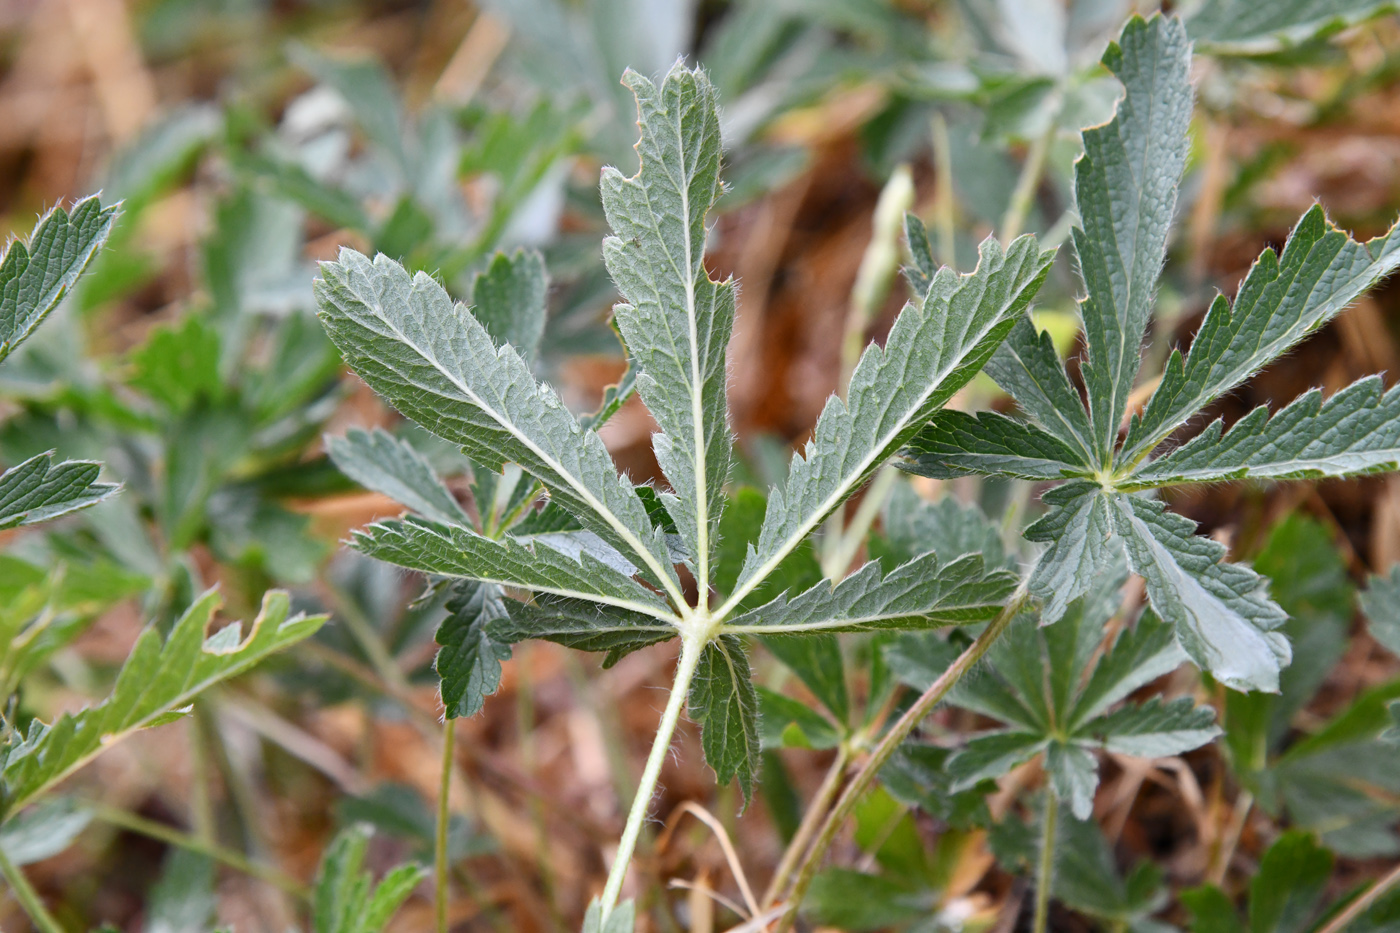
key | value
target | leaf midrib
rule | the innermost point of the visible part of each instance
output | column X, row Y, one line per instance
column 598, row 507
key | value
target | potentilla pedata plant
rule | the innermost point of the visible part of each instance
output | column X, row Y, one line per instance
column 1126, row 186
column 613, row 566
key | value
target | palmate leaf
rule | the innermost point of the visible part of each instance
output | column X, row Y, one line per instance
column 36, row 273
column 156, row 682
column 438, row 365
column 676, row 321
column 40, row 489
column 933, row 349
column 1125, row 188
column 535, row 566
column 1059, row 691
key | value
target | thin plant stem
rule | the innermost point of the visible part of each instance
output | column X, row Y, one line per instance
column 192, row 843
column 1220, row 862
column 944, row 218
column 28, row 897
column 444, row 817
column 1028, row 183
column 1045, row 870
column 692, row 645
column 889, row 743
column 364, row 633
column 811, row 821
column 1359, row 906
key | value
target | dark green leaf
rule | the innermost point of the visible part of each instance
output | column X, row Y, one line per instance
column 723, row 701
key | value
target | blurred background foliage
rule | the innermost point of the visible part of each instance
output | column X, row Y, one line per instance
column 248, row 139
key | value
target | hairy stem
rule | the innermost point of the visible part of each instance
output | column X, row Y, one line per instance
column 1045, row 870
column 811, row 820
column 192, row 843
column 28, row 897
column 444, row 817
column 891, row 741
column 691, row 648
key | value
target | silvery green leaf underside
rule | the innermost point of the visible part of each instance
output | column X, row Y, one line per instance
column 933, row 349
column 675, row 320
column 1125, row 188
column 1354, row 432
column 532, row 565
column 437, row 364
column 1282, row 300
column 922, row 593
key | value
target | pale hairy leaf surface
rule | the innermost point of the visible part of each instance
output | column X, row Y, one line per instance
column 956, row 443
column 1030, row 371
column 586, row 626
column 1077, row 532
column 386, row 464
column 1125, row 187
column 992, row 754
column 675, row 320
column 1221, row 612
column 923, row 593
column 43, row 830
column 436, row 363
column 1074, row 775
column 1282, row 300
column 1356, row 431
column 156, row 682
column 469, row 657
column 1233, row 26
column 1138, row 656
column 933, row 349
column 724, row 702
column 1153, row 729
column 37, row 272
column 40, row 489
column 508, row 298
column 1380, row 601
column 536, row 566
